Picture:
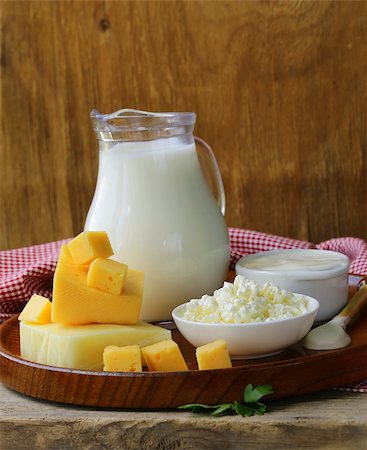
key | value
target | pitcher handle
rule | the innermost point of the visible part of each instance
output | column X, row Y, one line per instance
column 216, row 176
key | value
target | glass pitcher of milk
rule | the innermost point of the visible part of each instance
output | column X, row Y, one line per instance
column 156, row 206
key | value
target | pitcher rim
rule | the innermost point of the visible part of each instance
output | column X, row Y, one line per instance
column 126, row 117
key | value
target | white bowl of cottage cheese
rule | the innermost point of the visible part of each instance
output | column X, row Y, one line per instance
column 255, row 321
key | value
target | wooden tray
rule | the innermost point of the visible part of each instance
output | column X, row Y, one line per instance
column 293, row 372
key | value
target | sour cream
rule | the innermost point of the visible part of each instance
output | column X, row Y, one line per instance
column 320, row 274
column 314, row 261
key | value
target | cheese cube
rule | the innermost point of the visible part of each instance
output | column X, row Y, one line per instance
column 107, row 275
column 164, row 356
column 37, row 310
column 90, row 245
column 81, row 346
column 76, row 303
column 213, row 356
column 122, row 359
column 64, row 251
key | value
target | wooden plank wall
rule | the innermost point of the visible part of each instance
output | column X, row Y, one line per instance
column 279, row 88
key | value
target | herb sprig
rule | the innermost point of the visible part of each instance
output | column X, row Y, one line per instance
column 249, row 407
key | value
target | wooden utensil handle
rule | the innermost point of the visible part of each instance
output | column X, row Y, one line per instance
column 358, row 301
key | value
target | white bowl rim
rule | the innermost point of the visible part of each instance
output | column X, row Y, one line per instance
column 314, row 309
column 303, row 274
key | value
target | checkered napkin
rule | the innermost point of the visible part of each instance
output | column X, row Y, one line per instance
column 23, row 272
column 29, row 270
column 247, row 242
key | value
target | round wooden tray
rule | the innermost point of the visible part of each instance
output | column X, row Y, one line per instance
column 293, row 372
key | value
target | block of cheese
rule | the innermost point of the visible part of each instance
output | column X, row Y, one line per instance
column 122, row 359
column 81, row 347
column 90, row 245
column 107, row 275
column 76, row 303
column 213, row 356
column 37, row 310
column 164, row 356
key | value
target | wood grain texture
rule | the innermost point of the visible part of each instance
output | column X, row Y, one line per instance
column 328, row 420
column 279, row 89
column 293, row 372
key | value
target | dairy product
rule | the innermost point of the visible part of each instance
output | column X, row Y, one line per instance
column 321, row 274
column 153, row 201
column 122, row 359
column 213, row 355
column 37, row 310
column 89, row 245
column 107, row 275
column 164, row 356
column 81, row 346
column 296, row 260
column 244, row 301
column 76, row 303
column 329, row 336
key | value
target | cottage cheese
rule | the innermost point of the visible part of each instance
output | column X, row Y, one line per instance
column 244, row 301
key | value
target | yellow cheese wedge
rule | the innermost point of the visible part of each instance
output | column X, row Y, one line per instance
column 107, row 275
column 76, row 303
column 81, row 347
column 37, row 310
column 164, row 356
column 213, row 356
column 90, row 245
column 122, row 359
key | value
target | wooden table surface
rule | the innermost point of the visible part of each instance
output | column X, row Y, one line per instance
column 327, row 420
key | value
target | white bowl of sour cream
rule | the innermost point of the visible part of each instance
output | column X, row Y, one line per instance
column 254, row 321
column 320, row 274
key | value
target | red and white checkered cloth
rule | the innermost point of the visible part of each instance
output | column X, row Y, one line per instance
column 247, row 242
column 29, row 270
column 26, row 271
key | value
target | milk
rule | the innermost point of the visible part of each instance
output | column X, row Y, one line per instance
column 152, row 199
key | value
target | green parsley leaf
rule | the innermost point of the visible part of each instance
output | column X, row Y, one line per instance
column 243, row 410
column 200, row 405
column 259, row 408
column 249, row 407
column 252, row 395
column 222, row 409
